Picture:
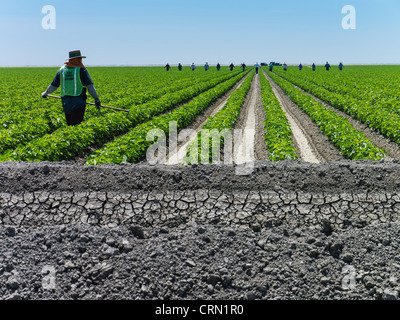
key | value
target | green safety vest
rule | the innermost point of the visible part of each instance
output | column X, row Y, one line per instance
column 71, row 84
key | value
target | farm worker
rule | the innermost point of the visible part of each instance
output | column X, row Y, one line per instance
column 284, row 66
column 231, row 66
column 313, row 67
column 218, row 66
column 243, row 66
column 271, row 66
column 167, row 67
column 74, row 80
column 206, row 66
column 327, row 66
column 179, row 67
column 300, row 66
column 193, row 66
column 257, row 66
column 340, row 66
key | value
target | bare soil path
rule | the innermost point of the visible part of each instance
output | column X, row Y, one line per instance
column 252, row 146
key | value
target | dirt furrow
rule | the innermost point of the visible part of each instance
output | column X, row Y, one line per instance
column 251, row 146
column 245, row 146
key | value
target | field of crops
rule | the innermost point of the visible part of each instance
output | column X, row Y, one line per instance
column 34, row 129
column 128, row 203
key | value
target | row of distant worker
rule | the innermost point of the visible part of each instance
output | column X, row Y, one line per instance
column 206, row 66
column 243, row 65
column 313, row 66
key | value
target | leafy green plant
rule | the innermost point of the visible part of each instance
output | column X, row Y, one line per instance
column 278, row 136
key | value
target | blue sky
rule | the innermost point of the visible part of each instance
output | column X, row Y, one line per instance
column 145, row 32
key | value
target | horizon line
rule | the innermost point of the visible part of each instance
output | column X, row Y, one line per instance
column 157, row 65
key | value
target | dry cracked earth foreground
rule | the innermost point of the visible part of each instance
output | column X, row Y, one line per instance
column 288, row 230
column 340, row 194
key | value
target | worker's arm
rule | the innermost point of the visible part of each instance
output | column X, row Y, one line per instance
column 92, row 91
column 88, row 82
column 53, row 86
column 49, row 90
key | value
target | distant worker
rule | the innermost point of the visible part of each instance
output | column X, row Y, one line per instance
column 327, row 66
column 271, row 66
column 218, row 66
column 300, row 67
column 206, row 66
column 167, row 66
column 257, row 66
column 284, row 66
column 340, row 66
column 193, row 66
column 231, row 66
column 74, row 80
column 243, row 66
column 179, row 67
column 313, row 67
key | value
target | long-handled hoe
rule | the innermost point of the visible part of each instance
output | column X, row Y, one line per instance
column 93, row 104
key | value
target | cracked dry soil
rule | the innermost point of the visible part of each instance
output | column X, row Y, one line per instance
column 199, row 259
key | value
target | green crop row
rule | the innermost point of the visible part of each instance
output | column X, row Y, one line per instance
column 71, row 140
column 223, row 120
column 16, row 135
column 26, row 129
column 350, row 142
column 278, row 136
column 378, row 117
column 132, row 146
column 14, row 117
